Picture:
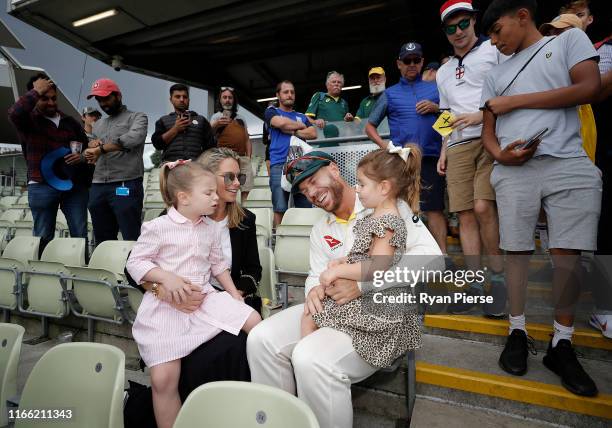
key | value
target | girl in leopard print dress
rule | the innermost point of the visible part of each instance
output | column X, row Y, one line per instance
column 380, row 332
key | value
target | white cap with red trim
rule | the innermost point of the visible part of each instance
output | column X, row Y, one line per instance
column 452, row 6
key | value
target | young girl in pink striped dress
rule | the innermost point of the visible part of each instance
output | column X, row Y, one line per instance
column 182, row 244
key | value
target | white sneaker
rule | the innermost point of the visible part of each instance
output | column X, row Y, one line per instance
column 603, row 323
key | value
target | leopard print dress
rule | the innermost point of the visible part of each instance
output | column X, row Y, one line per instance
column 381, row 333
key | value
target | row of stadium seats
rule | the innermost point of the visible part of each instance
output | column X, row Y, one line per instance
column 60, row 283
column 82, row 384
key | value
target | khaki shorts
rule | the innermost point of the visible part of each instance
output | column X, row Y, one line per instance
column 246, row 169
column 468, row 172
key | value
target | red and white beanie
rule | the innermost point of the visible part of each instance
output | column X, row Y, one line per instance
column 452, row 6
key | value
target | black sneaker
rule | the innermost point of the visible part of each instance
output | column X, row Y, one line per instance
column 513, row 358
column 562, row 361
column 499, row 292
column 462, row 306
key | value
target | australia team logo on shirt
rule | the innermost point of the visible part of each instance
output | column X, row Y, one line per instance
column 332, row 242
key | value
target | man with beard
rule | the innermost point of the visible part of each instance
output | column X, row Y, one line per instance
column 182, row 134
column 283, row 122
column 231, row 131
column 377, row 80
column 116, row 195
column 411, row 106
column 463, row 159
column 43, row 129
column 321, row 367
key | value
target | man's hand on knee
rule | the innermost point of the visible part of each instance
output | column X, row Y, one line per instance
column 343, row 291
column 314, row 298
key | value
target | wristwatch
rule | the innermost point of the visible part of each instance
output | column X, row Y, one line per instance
column 155, row 289
column 102, row 149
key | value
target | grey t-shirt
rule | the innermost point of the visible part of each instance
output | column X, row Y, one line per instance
column 548, row 70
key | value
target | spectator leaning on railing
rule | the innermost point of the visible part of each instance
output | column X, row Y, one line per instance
column 376, row 80
column 44, row 129
column 115, row 199
column 283, row 122
column 329, row 106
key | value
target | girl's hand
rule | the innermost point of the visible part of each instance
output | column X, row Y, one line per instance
column 327, row 278
column 178, row 288
column 236, row 295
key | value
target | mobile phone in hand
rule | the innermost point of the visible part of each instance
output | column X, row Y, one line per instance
column 533, row 139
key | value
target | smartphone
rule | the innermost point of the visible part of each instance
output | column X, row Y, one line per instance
column 533, row 139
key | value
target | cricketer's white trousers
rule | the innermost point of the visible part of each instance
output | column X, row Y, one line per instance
column 320, row 367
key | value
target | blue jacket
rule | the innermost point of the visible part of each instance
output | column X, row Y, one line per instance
column 398, row 103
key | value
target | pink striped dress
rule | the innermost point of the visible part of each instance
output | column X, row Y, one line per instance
column 193, row 251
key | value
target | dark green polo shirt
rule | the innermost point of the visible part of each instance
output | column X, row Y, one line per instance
column 326, row 107
column 366, row 106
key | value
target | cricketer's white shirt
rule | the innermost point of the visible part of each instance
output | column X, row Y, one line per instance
column 460, row 83
column 332, row 238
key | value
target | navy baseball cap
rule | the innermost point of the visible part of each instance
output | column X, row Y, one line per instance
column 303, row 167
column 410, row 48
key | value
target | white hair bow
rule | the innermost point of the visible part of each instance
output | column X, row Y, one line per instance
column 403, row 152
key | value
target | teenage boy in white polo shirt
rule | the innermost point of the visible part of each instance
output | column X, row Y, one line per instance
column 463, row 159
column 539, row 87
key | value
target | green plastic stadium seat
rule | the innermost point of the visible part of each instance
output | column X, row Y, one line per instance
column 263, row 223
column 261, row 406
column 11, row 336
column 258, row 198
column 16, row 256
column 269, row 278
column 86, row 378
column 101, row 288
column 44, row 291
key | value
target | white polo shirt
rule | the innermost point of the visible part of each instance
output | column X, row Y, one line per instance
column 460, row 83
column 332, row 238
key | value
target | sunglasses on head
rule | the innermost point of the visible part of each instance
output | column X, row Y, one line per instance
column 452, row 29
column 227, row 88
column 412, row 60
column 229, row 177
column 299, row 165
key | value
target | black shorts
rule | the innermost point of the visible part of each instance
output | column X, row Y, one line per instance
column 432, row 185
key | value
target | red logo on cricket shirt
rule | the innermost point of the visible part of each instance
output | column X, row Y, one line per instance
column 332, row 242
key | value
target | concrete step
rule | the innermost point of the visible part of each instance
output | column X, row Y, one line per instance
column 467, row 372
column 587, row 340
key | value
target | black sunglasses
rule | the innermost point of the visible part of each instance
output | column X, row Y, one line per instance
column 229, row 177
column 413, row 60
column 299, row 165
column 452, row 29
